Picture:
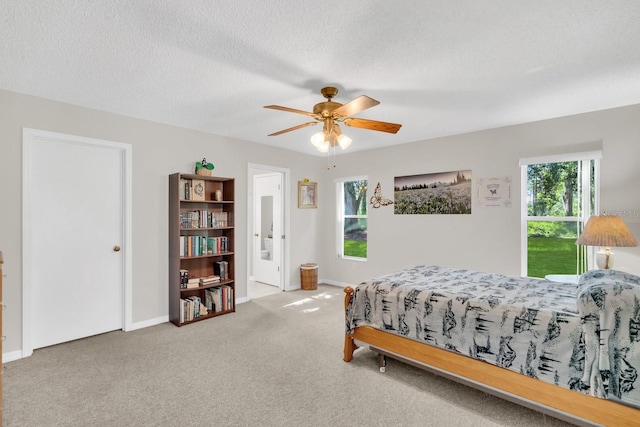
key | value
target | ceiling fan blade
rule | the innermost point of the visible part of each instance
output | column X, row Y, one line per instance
column 293, row 110
column 372, row 125
column 304, row 125
column 354, row 106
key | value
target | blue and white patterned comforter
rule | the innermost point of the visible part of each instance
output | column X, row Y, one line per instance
column 584, row 337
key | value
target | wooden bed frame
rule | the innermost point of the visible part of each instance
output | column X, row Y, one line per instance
column 561, row 403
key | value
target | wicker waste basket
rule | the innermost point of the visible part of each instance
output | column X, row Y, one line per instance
column 309, row 276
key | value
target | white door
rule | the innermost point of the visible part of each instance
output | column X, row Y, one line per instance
column 267, row 228
column 74, row 238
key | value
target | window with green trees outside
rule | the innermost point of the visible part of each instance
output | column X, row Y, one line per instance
column 352, row 221
column 560, row 197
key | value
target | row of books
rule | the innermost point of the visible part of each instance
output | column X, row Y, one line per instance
column 202, row 245
column 204, row 218
column 187, row 282
column 219, row 298
column 192, row 308
column 221, row 268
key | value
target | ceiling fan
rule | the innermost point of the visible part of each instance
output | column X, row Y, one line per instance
column 332, row 113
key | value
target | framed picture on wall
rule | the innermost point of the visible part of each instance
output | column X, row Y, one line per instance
column 433, row 193
column 307, row 194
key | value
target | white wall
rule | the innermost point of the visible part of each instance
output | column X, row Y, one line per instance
column 488, row 239
column 158, row 150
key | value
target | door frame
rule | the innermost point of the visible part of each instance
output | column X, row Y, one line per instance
column 28, row 138
column 257, row 202
column 256, row 169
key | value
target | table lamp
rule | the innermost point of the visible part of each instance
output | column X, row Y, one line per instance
column 606, row 231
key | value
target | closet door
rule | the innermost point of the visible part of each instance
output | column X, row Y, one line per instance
column 74, row 216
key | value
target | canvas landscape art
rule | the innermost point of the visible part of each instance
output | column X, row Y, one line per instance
column 433, row 193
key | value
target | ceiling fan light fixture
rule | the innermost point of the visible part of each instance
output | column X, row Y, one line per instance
column 324, row 147
column 344, row 141
column 317, row 139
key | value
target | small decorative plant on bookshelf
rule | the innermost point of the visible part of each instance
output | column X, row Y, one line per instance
column 201, row 247
column 204, row 168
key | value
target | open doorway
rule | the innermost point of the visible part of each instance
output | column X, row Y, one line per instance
column 268, row 225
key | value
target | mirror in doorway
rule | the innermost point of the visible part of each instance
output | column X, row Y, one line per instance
column 266, row 228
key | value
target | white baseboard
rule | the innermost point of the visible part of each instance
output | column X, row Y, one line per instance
column 147, row 323
column 16, row 355
column 11, row 356
column 334, row 283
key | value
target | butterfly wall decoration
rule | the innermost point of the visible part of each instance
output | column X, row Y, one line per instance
column 377, row 200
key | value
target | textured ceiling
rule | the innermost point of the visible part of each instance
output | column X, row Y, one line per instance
column 438, row 67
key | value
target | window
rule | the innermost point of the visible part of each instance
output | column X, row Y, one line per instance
column 352, row 218
column 560, row 193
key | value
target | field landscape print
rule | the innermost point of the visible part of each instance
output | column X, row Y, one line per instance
column 433, row 193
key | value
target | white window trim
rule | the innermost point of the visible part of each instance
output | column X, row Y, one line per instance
column 339, row 216
column 557, row 158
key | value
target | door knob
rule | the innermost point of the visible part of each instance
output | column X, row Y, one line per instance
column 116, row 248
column 256, row 234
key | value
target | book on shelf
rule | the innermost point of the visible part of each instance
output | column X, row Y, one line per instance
column 193, row 282
column 185, row 189
column 184, row 278
column 221, row 268
column 209, row 300
column 209, row 280
column 196, row 305
column 228, row 293
column 186, row 310
column 191, row 308
column 198, row 187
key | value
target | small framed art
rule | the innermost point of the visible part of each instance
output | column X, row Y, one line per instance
column 307, row 194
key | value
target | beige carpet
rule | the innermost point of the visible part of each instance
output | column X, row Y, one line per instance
column 277, row 361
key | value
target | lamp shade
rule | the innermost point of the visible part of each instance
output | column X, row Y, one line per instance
column 608, row 231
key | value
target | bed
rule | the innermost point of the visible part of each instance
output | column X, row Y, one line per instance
column 568, row 350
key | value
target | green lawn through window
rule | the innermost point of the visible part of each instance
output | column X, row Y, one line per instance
column 547, row 255
column 355, row 248
column 551, row 255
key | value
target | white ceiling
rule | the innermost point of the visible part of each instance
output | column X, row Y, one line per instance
column 437, row 67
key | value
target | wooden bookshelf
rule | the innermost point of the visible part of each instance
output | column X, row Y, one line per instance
column 201, row 242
